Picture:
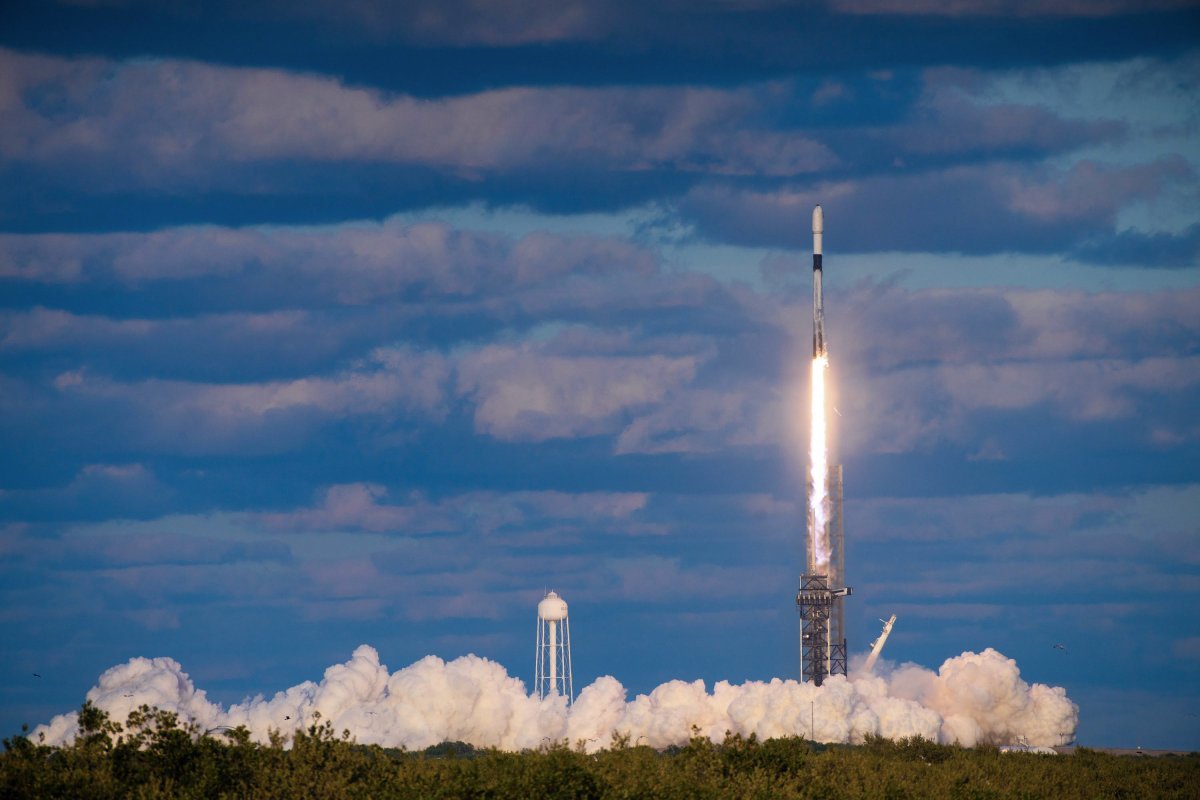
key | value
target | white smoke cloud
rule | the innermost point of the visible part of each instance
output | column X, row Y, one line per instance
column 972, row 698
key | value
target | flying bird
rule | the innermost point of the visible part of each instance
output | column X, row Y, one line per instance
column 36, row 675
column 1062, row 647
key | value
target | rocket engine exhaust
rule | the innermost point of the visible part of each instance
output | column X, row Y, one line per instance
column 818, row 474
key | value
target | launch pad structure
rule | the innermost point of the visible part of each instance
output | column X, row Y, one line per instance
column 823, row 588
column 821, row 600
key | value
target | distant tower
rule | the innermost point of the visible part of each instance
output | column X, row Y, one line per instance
column 552, row 674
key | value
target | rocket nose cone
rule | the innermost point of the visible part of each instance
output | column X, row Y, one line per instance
column 818, row 220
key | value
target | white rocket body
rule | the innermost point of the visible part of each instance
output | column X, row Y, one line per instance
column 877, row 645
column 818, row 229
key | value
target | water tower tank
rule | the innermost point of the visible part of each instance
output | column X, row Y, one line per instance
column 552, row 608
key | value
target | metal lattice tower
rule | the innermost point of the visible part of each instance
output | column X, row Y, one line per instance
column 815, row 601
column 837, row 576
column 821, row 598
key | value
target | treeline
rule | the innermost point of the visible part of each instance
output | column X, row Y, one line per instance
column 153, row 755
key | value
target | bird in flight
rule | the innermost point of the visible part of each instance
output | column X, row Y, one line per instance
column 36, row 675
column 1062, row 647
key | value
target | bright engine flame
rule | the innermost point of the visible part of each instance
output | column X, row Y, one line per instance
column 818, row 478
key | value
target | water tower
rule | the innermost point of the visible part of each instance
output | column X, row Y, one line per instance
column 552, row 675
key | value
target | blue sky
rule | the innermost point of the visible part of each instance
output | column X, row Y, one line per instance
column 325, row 324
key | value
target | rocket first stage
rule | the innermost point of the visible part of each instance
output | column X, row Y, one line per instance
column 818, row 228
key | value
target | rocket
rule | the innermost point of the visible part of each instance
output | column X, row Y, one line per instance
column 818, row 227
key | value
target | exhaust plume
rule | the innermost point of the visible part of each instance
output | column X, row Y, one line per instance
column 818, row 477
column 972, row 698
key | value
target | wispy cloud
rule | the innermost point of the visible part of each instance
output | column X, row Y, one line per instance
column 209, row 417
column 150, row 112
column 971, row 209
column 521, row 394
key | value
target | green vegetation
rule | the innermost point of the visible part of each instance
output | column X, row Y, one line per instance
column 153, row 755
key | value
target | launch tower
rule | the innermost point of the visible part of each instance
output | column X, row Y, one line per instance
column 823, row 585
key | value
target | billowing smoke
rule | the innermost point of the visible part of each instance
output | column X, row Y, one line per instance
column 974, row 697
